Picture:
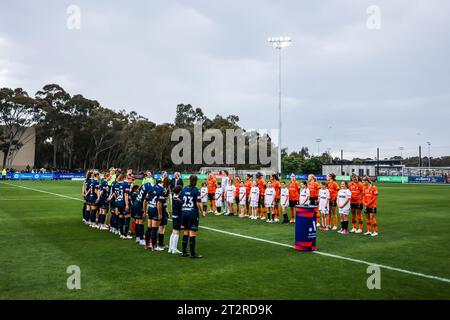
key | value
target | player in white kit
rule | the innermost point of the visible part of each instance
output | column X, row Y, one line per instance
column 242, row 199
column 218, row 197
column 324, row 205
column 269, row 201
column 304, row 194
column 284, row 202
column 230, row 192
column 254, row 200
column 343, row 203
column 204, row 197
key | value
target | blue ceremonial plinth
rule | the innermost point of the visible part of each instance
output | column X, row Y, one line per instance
column 305, row 228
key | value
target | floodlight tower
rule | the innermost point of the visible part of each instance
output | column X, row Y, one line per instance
column 401, row 151
column 318, row 140
column 429, row 155
column 279, row 43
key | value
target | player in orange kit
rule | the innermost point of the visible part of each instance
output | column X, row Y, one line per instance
column 313, row 187
column 333, row 187
column 212, row 185
column 294, row 196
column 248, row 185
column 262, row 190
column 356, row 205
column 277, row 186
column 370, row 195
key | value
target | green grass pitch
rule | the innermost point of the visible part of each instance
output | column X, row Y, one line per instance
column 42, row 234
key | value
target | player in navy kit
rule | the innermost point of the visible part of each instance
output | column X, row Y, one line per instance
column 138, row 211
column 84, row 193
column 92, row 199
column 165, row 214
column 103, row 202
column 154, row 202
column 177, row 205
column 121, row 190
column 190, row 197
column 134, row 192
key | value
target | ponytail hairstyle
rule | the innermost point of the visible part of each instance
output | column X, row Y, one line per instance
column 193, row 181
column 332, row 176
column 346, row 183
column 313, row 177
column 88, row 175
column 120, row 177
column 166, row 182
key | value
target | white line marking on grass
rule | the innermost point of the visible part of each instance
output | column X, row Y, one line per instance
column 42, row 191
column 332, row 255
column 247, row 237
column 37, row 199
column 423, row 275
column 418, row 274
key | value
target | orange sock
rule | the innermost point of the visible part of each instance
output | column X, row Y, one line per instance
column 354, row 220
column 317, row 215
column 335, row 220
column 374, row 224
column 360, row 220
column 369, row 223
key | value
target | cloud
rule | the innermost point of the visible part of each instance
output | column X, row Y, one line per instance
column 10, row 70
column 355, row 88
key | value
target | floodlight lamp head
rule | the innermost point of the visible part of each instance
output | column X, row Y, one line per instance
column 280, row 42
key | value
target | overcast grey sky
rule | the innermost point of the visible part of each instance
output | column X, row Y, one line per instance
column 354, row 87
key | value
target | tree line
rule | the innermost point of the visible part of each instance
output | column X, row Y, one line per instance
column 75, row 132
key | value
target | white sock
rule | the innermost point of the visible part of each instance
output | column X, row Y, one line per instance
column 175, row 241
column 171, row 242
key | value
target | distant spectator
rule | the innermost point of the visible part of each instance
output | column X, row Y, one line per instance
column 148, row 178
column 176, row 181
